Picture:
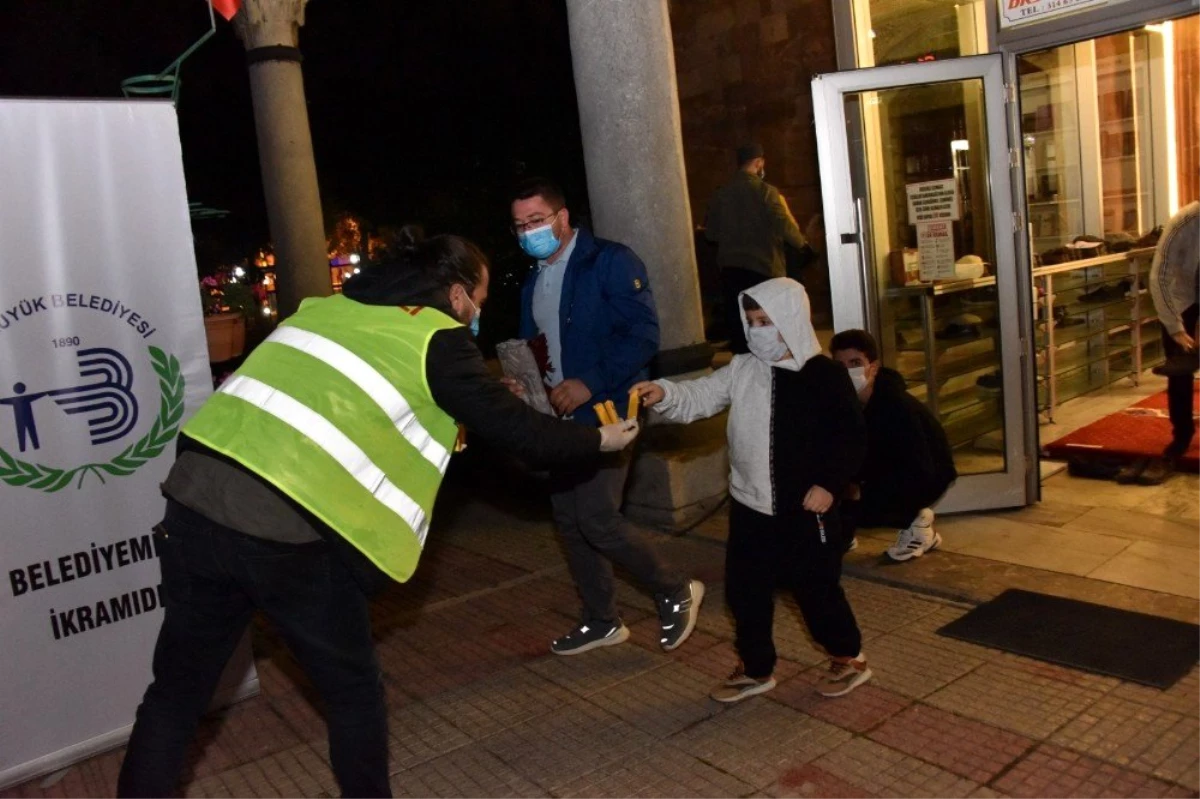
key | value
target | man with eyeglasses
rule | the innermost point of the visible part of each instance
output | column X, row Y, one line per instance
column 591, row 299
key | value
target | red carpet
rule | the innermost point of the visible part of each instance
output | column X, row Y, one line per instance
column 1136, row 432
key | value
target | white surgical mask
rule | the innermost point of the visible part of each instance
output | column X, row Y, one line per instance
column 766, row 344
column 858, row 376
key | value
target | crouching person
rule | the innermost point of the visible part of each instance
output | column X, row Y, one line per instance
column 909, row 464
column 796, row 438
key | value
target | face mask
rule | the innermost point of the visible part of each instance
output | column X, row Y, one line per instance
column 540, row 242
column 858, row 376
column 473, row 325
column 766, row 344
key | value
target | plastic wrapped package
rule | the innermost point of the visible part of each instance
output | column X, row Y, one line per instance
column 518, row 363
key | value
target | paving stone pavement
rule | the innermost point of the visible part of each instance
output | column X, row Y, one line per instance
column 478, row 706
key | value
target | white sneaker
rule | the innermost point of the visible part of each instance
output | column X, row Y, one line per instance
column 916, row 539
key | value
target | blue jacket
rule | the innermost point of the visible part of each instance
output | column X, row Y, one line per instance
column 607, row 319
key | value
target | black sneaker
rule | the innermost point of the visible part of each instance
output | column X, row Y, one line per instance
column 588, row 636
column 957, row 330
column 1157, row 471
column 1184, row 365
column 1131, row 471
column 678, row 614
column 992, row 383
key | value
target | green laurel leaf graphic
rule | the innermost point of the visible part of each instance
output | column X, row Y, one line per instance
column 162, row 432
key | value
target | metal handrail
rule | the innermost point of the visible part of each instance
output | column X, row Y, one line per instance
column 167, row 81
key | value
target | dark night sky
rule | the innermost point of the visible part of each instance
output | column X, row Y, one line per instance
column 420, row 111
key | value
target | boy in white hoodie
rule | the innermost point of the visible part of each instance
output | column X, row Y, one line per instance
column 796, row 439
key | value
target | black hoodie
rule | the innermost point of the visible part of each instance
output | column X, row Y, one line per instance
column 908, row 455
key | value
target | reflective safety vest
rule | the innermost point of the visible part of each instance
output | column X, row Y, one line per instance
column 334, row 410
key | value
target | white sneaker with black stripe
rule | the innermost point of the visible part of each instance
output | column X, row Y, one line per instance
column 916, row 539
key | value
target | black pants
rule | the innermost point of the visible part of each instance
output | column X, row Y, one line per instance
column 895, row 509
column 587, row 513
column 769, row 551
column 1180, row 390
column 213, row 579
column 733, row 282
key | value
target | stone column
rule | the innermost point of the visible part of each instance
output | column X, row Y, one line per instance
column 633, row 149
column 270, row 30
column 624, row 63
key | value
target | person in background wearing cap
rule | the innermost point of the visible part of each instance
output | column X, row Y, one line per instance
column 749, row 221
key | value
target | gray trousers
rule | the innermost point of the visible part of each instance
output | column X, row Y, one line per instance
column 587, row 512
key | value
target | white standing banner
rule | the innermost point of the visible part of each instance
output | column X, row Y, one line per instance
column 102, row 358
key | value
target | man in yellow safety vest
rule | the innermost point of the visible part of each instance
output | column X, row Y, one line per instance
column 309, row 478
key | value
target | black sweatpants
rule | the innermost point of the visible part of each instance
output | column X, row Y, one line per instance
column 1180, row 390
column 897, row 509
column 766, row 552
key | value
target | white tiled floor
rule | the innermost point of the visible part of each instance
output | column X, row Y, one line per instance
column 1143, row 536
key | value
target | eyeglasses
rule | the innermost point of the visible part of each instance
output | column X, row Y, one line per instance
column 530, row 224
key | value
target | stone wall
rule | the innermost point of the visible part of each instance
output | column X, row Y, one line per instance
column 744, row 69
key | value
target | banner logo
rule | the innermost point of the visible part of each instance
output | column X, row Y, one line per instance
column 105, row 399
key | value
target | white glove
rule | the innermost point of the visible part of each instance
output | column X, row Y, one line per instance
column 616, row 437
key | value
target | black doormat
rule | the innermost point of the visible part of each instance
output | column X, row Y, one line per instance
column 1132, row 646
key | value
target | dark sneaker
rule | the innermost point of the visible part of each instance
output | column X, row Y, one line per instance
column 678, row 614
column 1156, row 471
column 1131, row 471
column 588, row 636
column 990, row 383
column 957, row 330
column 1150, row 239
column 1184, row 365
column 845, row 674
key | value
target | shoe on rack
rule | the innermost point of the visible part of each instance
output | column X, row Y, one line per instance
column 845, row 674
column 1131, row 471
column 916, row 539
column 1150, row 239
column 590, row 635
column 1107, row 293
column 957, row 330
column 678, row 613
column 1182, row 365
column 1070, row 321
column 737, row 686
column 991, row 383
column 1157, row 471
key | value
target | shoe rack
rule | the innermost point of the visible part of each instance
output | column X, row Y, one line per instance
column 947, row 347
column 1095, row 325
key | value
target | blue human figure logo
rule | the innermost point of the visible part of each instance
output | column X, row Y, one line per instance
column 106, row 400
column 22, row 405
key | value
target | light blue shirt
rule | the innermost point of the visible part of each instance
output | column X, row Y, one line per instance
column 547, row 298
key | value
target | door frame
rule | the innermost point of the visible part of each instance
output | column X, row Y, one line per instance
column 851, row 290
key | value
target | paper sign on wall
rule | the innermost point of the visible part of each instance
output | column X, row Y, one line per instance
column 935, row 244
column 933, row 200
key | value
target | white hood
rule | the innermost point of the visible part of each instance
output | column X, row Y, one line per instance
column 786, row 302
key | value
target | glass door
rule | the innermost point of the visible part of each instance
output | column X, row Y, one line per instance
column 916, row 176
